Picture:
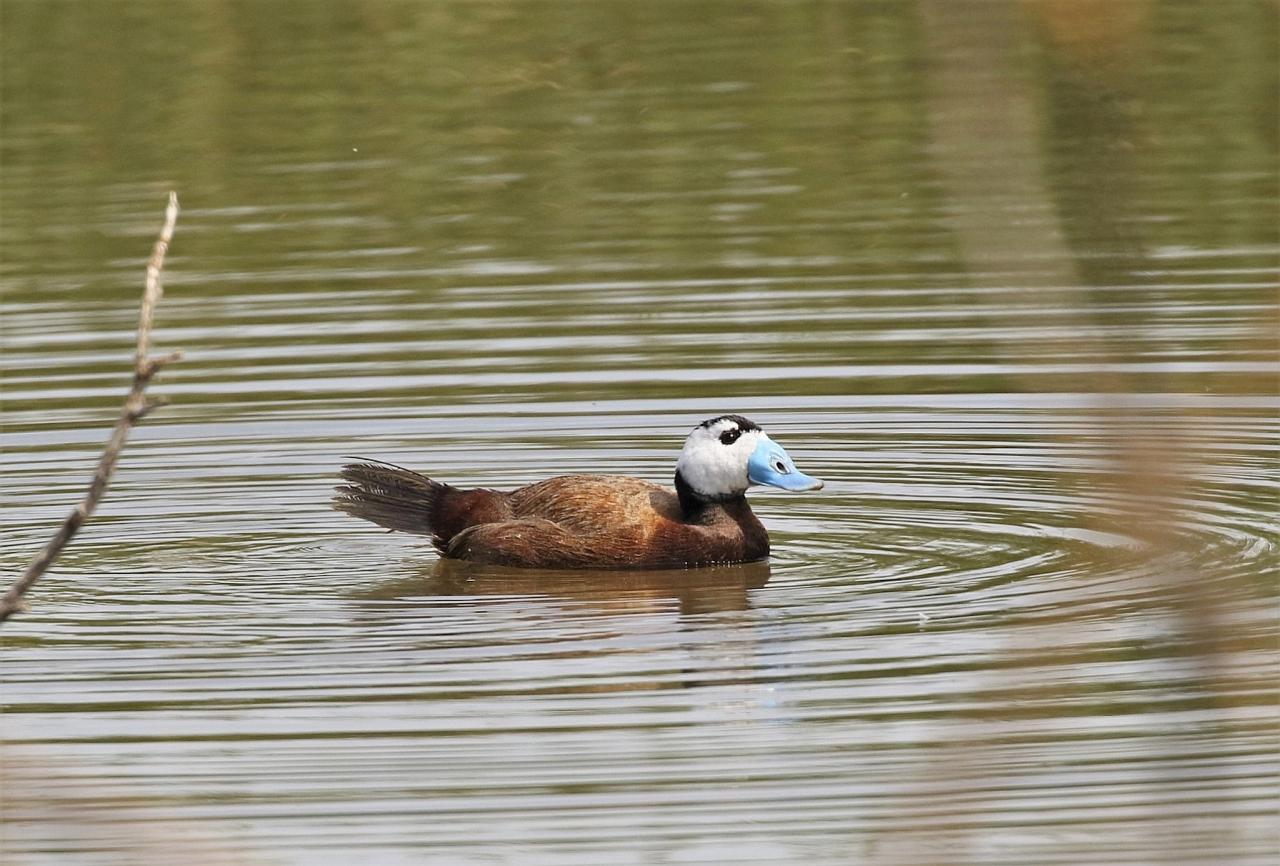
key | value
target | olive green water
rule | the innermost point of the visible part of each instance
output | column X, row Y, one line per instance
column 1003, row 275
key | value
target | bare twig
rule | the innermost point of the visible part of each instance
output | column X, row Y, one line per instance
column 136, row 407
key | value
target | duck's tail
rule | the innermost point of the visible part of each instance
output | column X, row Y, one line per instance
column 389, row 496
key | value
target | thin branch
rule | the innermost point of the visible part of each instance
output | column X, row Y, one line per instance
column 136, row 406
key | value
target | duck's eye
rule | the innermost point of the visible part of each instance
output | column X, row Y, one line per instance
column 730, row 436
column 780, row 467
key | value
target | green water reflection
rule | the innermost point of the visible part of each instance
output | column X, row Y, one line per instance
column 650, row 137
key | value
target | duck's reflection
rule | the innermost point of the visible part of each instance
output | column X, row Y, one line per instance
column 696, row 591
column 605, row 621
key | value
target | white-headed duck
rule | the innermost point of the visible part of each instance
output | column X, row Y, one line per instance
column 593, row 521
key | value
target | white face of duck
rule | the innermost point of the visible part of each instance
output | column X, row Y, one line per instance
column 724, row 456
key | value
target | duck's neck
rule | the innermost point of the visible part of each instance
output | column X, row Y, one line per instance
column 729, row 519
column 697, row 505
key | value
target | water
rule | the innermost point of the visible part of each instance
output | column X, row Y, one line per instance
column 1004, row 277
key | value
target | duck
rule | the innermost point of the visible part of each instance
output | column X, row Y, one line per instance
column 592, row 521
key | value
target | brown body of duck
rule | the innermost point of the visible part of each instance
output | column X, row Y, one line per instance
column 593, row 521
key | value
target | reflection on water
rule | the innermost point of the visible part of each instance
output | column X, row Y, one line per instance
column 1004, row 278
column 706, row 590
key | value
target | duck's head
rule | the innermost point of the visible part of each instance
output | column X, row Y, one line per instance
column 724, row 456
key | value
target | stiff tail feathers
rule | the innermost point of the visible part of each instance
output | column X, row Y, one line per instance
column 388, row 495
